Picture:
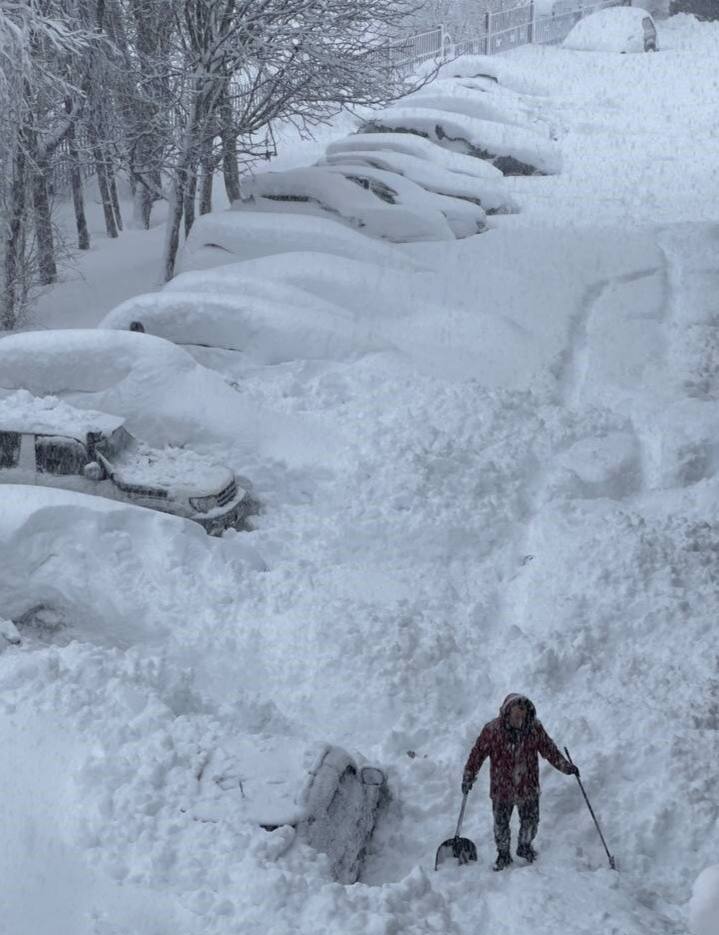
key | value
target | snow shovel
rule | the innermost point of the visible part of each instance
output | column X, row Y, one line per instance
column 461, row 848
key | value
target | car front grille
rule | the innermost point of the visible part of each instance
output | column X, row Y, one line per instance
column 227, row 495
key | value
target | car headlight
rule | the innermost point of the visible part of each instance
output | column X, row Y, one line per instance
column 203, row 504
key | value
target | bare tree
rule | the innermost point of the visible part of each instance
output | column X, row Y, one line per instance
column 251, row 63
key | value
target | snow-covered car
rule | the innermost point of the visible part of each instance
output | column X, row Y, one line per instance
column 223, row 237
column 269, row 323
column 159, row 388
column 44, row 441
column 489, row 195
column 329, row 798
column 483, row 99
column 101, row 570
column 513, row 150
column 616, row 29
column 314, row 190
column 463, row 217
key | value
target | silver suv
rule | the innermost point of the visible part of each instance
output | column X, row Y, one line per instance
column 92, row 452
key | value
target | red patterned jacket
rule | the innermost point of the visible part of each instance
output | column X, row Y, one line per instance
column 513, row 754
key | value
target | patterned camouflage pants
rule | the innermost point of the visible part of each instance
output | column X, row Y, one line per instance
column 528, row 822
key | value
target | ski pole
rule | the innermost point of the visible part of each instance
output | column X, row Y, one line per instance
column 591, row 812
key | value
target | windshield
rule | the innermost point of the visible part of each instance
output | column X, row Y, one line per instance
column 112, row 445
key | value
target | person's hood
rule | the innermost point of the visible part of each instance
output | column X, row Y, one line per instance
column 510, row 700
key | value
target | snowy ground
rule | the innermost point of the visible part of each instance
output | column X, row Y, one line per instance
column 519, row 495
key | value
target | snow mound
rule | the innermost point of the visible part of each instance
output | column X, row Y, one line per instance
column 503, row 71
column 616, row 29
column 226, row 237
column 163, row 393
column 315, row 190
column 78, row 566
column 513, row 150
column 704, row 904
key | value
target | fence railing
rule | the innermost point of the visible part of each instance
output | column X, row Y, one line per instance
column 497, row 31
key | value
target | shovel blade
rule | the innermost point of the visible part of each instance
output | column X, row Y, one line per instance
column 460, row 849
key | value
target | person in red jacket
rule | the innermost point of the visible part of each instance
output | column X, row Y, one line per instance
column 513, row 742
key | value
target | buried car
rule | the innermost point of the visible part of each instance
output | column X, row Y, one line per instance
column 315, row 190
column 328, row 797
column 616, row 29
column 47, row 442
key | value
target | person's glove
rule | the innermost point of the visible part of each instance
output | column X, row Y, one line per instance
column 573, row 770
column 467, row 783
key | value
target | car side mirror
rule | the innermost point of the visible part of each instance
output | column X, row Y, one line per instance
column 93, row 471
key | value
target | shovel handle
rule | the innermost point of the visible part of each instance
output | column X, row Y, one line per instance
column 461, row 814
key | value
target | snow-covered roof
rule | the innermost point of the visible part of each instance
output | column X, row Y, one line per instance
column 22, row 412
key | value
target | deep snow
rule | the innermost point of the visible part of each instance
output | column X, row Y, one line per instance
column 520, row 494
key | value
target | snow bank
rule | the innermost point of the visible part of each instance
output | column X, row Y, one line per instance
column 704, row 904
column 513, row 150
column 233, row 236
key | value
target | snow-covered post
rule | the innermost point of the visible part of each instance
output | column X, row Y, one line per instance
column 487, row 33
column 531, row 21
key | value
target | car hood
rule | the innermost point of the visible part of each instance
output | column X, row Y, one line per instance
column 171, row 468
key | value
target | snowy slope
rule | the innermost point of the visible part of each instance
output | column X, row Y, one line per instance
column 519, row 495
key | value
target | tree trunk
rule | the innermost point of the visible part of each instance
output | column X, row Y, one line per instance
column 190, row 193
column 206, row 187
column 109, row 168
column 10, row 310
column 83, row 235
column 207, row 166
column 230, row 168
column 174, row 221
column 47, row 267
column 102, row 182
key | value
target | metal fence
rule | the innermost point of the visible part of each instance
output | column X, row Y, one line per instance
column 498, row 31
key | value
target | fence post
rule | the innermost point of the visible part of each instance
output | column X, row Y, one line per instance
column 531, row 21
column 488, row 33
